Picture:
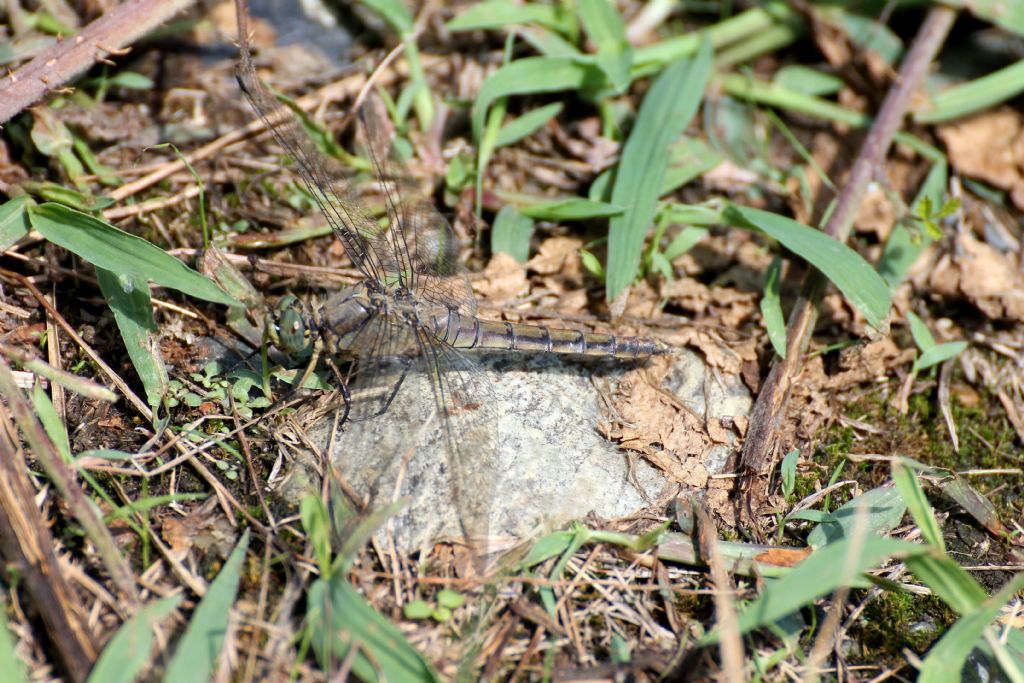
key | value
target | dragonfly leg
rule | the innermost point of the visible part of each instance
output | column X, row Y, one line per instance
column 343, row 389
column 391, row 396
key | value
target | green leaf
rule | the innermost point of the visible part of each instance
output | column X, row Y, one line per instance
column 14, row 221
column 196, row 656
column 103, row 245
column 836, row 565
column 605, row 28
column 14, row 669
column 68, row 196
column 394, row 12
column 939, row 353
column 552, row 545
column 416, row 610
column 127, row 653
column 493, row 14
column 128, row 298
column 905, row 245
column 571, row 209
column 105, row 454
column 532, row 75
column 806, row 80
column 686, row 240
column 847, row 269
column 52, row 423
column 666, row 110
column 946, row 658
column 922, row 335
column 339, row 619
column 592, row 264
column 131, row 80
column 883, row 508
column 525, row 125
column 917, row 503
column 450, row 599
column 771, row 308
column 974, row 96
column 788, row 471
column 511, row 233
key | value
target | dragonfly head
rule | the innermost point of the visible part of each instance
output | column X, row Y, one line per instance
column 286, row 326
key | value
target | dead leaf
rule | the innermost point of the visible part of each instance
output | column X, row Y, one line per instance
column 503, row 280
column 990, row 147
column 984, row 276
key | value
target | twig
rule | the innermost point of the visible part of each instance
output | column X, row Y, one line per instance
column 72, row 56
column 761, row 447
column 27, row 547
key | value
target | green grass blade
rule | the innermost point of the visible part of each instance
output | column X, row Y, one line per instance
column 494, row 14
column 847, row 269
column 126, row 655
column 946, row 659
column 572, row 209
column 103, row 245
column 51, row 421
column 825, row 570
column 666, row 110
column 532, row 75
column 883, row 507
column 511, row 233
column 950, row 582
column 14, row 221
column 974, row 96
column 917, row 504
column 14, row 669
column 339, row 620
column 905, row 244
column 614, row 53
column 128, row 298
column 394, row 12
column 196, row 656
column 525, row 125
column 771, row 308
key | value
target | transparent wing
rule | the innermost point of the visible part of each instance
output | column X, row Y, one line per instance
column 422, row 426
column 354, row 226
column 415, row 248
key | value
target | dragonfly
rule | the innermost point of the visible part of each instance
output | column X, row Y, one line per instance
column 408, row 324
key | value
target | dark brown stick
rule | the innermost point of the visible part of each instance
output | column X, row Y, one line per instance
column 27, row 546
column 70, row 57
column 761, row 447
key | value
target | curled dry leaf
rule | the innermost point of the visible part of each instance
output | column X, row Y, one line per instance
column 650, row 421
column 503, row 280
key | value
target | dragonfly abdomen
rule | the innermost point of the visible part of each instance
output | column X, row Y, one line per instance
column 469, row 332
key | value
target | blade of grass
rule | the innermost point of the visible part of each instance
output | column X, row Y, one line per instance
column 847, row 269
column 511, row 233
column 126, row 655
column 947, row 657
column 129, row 300
column 14, row 221
column 664, row 114
column 196, row 655
column 614, row 53
column 105, row 246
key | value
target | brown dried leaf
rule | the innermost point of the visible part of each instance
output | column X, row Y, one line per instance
column 990, row 146
column 984, row 276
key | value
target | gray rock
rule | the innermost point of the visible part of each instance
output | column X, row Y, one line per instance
column 531, row 456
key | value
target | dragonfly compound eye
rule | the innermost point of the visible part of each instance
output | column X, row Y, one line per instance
column 286, row 326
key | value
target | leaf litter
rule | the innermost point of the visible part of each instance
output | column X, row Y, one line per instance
column 605, row 595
